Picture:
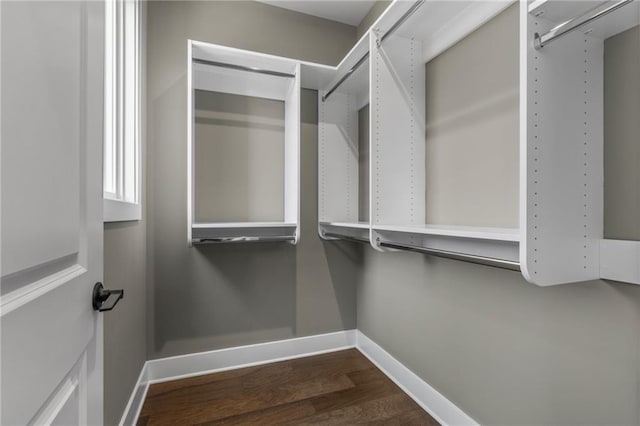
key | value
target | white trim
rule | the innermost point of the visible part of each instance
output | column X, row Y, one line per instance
column 197, row 364
column 136, row 400
column 121, row 211
column 183, row 366
column 28, row 293
column 432, row 401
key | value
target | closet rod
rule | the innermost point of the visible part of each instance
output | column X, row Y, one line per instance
column 216, row 240
column 539, row 41
column 471, row 258
column 346, row 237
column 344, row 77
column 400, row 21
column 243, row 68
column 394, row 27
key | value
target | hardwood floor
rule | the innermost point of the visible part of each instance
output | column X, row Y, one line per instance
column 336, row 388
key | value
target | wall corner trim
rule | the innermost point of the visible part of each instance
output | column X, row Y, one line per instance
column 136, row 400
column 432, row 401
column 196, row 364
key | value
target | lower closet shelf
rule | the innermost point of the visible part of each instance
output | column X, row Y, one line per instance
column 241, row 232
column 350, row 231
column 498, row 247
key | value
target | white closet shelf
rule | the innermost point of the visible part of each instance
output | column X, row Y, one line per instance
column 350, row 231
column 235, row 232
column 243, row 225
column 480, row 233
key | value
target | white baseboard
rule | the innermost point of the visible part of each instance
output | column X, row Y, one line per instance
column 432, row 401
column 183, row 366
column 136, row 400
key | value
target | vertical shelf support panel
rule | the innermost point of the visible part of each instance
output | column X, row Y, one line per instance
column 292, row 154
column 562, row 198
column 397, row 133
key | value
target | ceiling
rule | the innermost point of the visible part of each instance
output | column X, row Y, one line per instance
column 346, row 11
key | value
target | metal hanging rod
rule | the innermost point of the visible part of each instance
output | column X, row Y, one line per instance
column 539, row 41
column 347, row 237
column 400, row 21
column 471, row 258
column 243, row 68
column 390, row 31
column 347, row 75
column 216, row 240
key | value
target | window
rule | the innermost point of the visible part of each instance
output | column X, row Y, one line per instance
column 122, row 151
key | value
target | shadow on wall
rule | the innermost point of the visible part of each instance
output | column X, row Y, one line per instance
column 344, row 260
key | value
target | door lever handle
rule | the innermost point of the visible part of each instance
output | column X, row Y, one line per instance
column 105, row 300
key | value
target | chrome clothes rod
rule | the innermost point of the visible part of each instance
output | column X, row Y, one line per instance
column 471, row 258
column 390, row 31
column 243, row 68
column 217, row 240
column 347, row 75
column 400, row 21
column 539, row 41
column 346, row 237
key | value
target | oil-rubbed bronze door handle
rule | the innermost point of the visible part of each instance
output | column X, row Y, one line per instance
column 105, row 300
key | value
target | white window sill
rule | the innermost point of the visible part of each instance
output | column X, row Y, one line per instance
column 120, row 211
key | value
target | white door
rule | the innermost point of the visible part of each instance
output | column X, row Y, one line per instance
column 51, row 64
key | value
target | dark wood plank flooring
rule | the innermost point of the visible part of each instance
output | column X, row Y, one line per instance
column 335, row 388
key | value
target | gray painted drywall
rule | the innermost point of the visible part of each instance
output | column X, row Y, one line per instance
column 209, row 297
column 239, row 158
column 125, row 333
column 505, row 351
column 371, row 16
column 472, row 136
column 622, row 135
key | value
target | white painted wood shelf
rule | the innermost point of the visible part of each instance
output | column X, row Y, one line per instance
column 358, row 231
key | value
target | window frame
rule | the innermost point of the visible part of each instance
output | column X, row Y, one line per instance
column 122, row 163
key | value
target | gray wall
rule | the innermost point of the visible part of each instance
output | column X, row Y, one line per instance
column 209, row 297
column 471, row 152
column 622, row 133
column 505, row 351
column 239, row 158
column 125, row 333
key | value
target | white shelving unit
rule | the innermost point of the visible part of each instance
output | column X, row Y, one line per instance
column 560, row 234
column 562, row 142
column 398, row 137
column 237, row 72
column 340, row 208
column 558, row 204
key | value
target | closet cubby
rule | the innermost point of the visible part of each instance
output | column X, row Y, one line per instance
column 243, row 146
column 489, row 149
column 343, row 149
column 436, row 164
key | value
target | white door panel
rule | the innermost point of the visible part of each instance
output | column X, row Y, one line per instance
column 41, row 132
column 52, row 56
